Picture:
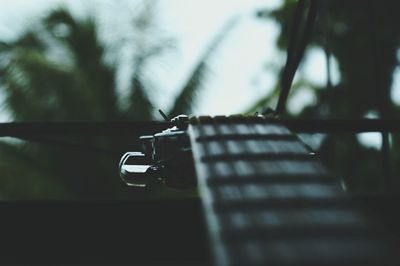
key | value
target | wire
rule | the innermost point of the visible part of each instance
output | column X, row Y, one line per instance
column 70, row 144
column 382, row 103
column 112, row 129
column 325, row 28
column 44, row 132
column 294, row 55
column 82, row 128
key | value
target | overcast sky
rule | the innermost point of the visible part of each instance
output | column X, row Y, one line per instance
column 193, row 24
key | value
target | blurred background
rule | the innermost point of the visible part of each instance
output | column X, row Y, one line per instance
column 103, row 60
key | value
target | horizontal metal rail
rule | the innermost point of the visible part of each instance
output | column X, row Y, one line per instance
column 342, row 125
column 82, row 128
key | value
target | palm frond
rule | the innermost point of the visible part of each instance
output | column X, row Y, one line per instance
column 265, row 101
column 83, row 42
column 185, row 99
column 270, row 99
column 141, row 107
column 37, row 89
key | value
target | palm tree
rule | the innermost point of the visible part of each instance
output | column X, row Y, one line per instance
column 362, row 36
column 76, row 84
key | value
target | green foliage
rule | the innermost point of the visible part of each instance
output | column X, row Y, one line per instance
column 141, row 108
column 363, row 37
column 184, row 101
column 25, row 177
column 53, row 98
column 77, row 84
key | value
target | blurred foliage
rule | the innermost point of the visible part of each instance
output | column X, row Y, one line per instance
column 363, row 36
column 57, row 72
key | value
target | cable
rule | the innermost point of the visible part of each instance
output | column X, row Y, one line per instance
column 294, row 55
column 70, row 144
column 82, row 128
column 44, row 132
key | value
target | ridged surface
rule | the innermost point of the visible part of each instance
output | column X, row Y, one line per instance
column 269, row 201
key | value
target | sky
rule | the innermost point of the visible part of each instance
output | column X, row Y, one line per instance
column 192, row 24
